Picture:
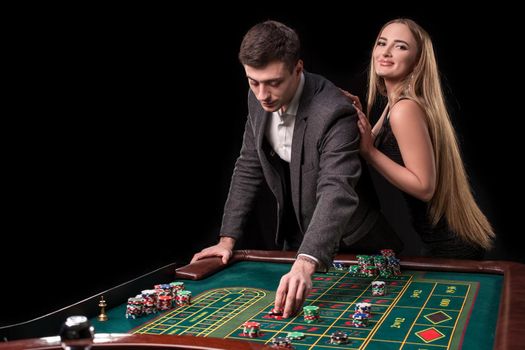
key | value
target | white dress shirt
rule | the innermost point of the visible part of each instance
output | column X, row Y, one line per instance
column 279, row 132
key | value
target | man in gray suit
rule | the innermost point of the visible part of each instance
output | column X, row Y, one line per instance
column 301, row 137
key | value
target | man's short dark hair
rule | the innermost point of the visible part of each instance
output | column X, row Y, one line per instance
column 270, row 41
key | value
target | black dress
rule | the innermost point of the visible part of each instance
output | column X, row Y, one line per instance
column 438, row 240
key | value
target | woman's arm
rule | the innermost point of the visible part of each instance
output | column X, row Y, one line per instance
column 418, row 176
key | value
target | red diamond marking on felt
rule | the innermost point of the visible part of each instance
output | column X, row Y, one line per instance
column 430, row 334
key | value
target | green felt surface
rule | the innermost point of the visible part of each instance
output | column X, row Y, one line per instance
column 421, row 310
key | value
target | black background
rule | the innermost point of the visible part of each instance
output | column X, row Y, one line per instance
column 122, row 127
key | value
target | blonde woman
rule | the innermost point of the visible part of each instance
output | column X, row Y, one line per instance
column 414, row 146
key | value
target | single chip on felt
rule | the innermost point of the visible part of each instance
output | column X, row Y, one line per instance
column 339, row 337
column 282, row 342
column 295, row 335
column 275, row 312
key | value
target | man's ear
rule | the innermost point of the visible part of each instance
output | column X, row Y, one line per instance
column 299, row 67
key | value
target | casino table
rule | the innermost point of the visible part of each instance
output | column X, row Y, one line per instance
column 434, row 304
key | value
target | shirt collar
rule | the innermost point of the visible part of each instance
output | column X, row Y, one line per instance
column 294, row 104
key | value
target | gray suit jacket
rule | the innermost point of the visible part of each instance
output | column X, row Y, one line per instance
column 325, row 168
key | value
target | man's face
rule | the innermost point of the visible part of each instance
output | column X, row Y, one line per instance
column 274, row 85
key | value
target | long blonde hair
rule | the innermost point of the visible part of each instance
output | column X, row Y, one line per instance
column 453, row 197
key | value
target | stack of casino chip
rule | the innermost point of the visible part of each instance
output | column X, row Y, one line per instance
column 363, row 261
column 183, row 298
column 135, row 307
column 251, row 329
column 370, row 271
column 366, row 265
column 339, row 338
column 163, row 289
column 354, row 270
column 394, row 265
column 165, row 302
column 363, row 308
column 150, row 301
column 175, row 287
column 380, row 262
column 386, row 272
column 360, row 320
column 311, row 313
column 385, row 265
column 282, row 342
column 387, row 252
column 378, row 288
column 338, row 266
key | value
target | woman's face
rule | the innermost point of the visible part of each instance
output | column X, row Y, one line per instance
column 395, row 52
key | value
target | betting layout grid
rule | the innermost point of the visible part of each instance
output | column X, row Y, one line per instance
column 338, row 294
column 336, row 297
column 331, row 294
column 385, row 265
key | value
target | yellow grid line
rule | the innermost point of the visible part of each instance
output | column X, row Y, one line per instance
column 248, row 304
column 417, row 316
column 387, row 312
column 153, row 325
column 261, row 310
column 159, row 322
column 339, row 317
column 252, row 300
column 214, row 312
column 229, row 315
column 468, row 285
column 294, row 318
column 457, row 318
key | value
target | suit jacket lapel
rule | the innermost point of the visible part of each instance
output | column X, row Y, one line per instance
column 297, row 147
column 272, row 176
column 263, row 117
column 295, row 165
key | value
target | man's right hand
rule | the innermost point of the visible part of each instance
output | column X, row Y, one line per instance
column 224, row 249
column 295, row 286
